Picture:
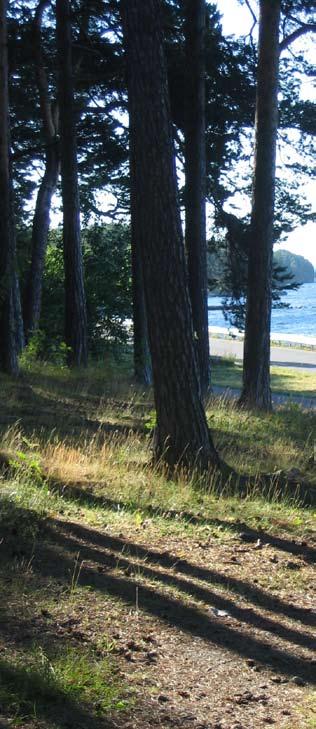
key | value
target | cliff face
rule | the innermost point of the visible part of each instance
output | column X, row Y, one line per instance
column 301, row 268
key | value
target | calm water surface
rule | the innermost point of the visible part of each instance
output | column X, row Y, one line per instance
column 299, row 319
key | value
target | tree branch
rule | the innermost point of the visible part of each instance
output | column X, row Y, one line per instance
column 302, row 30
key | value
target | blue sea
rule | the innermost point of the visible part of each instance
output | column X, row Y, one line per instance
column 299, row 319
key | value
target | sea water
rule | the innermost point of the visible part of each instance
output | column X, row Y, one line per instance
column 299, row 319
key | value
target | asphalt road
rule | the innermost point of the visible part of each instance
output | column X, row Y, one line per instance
column 280, row 356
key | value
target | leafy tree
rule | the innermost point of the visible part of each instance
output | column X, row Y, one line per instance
column 75, row 302
column 195, row 181
column 182, row 436
column 50, row 123
column 256, row 368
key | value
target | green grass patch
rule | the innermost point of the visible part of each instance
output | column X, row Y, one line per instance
column 286, row 380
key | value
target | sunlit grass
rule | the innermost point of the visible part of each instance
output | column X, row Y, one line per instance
column 228, row 373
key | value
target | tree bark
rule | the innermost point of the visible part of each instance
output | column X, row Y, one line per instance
column 142, row 358
column 8, row 349
column 75, row 302
column 41, row 221
column 256, row 371
column 195, row 181
column 182, row 436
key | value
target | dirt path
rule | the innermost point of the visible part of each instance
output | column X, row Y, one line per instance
column 202, row 636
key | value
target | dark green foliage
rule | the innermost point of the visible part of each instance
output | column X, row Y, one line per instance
column 106, row 255
column 108, row 284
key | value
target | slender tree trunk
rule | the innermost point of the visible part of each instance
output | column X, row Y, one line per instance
column 41, row 221
column 18, row 316
column 75, row 302
column 182, row 435
column 256, row 373
column 40, row 228
column 8, row 350
column 195, row 180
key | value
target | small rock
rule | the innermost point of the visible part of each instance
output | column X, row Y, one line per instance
column 163, row 698
column 220, row 613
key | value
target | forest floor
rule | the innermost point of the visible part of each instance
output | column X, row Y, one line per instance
column 132, row 601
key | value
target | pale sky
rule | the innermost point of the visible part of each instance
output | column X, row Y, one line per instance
column 236, row 19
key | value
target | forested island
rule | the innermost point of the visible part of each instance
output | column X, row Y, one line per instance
column 299, row 267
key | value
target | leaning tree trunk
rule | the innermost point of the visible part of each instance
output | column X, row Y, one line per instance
column 182, row 436
column 75, row 302
column 41, row 221
column 8, row 349
column 195, row 180
column 256, row 391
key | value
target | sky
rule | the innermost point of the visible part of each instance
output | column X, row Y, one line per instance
column 236, row 19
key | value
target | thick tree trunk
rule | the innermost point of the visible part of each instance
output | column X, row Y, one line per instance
column 256, row 374
column 182, row 435
column 75, row 302
column 8, row 349
column 142, row 358
column 195, row 180
column 49, row 112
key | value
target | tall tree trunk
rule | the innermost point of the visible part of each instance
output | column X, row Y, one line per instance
column 75, row 302
column 40, row 228
column 182, row 435
column 142, row 359
column 8, row 350
column 256, row 372
column 195, row 181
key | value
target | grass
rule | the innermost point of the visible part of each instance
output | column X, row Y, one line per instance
column 79, row 454
column 284, row 380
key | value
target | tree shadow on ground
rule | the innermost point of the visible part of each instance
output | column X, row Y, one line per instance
column 31, row 693
column 87, row 496
column 105, row 561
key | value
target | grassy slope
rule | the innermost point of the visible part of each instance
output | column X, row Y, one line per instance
column 62, row 663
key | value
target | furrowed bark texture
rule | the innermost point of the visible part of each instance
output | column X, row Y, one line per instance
column 256, row 373
column 182, row 435
column 195, row 180
column 8, row 350
column 75, row 302
column 40, row 228
column 142, row 359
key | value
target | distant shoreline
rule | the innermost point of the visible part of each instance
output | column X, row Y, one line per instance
column 291, row 340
